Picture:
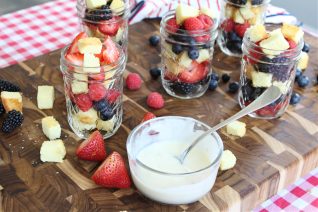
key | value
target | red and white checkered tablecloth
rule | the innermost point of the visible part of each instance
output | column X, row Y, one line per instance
column 37, row 30
column 301, row 196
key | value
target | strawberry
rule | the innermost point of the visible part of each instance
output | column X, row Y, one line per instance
column 73, row 47
column 112, row 95
column 133, row 81
column 97, row 76
column 112, row 173
column 75, row 58
column 193, row 24
column 206, row 20
column 255, row 54
column 92, row 148
column 228, row 25
column 109, row 27
column 155, row 100
column 96, row 91
column 203, row 38
column 148, row 116
column 240, row 29
column 272, row 109
column 111, row 54
column 83, row 101
column 100, row 55
column 172, row 25
column 292, row 44
column 197, row 72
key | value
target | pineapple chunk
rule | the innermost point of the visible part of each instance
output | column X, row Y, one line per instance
column 89, row 45
column 275, row 43
column 246, row 13
column 257, row 33
column 184, row 11
column 52, row 151
column 238, row 18
column 292, row 32
column 173, row 67
column 261, row 79
column 93, row 4
column 106, row 125
column 91, row 63
column 117, row 6
column 229, row 11
column 303, row 61
column 184, row 60
column 228, row 160
column 209, row 12
column 79, row 84
column 203, row 55
column 87, row 117
column 283, row 86
column 236, row 128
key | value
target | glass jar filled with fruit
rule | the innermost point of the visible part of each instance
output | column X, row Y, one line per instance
column 93, row 82
column 269, row 59
column 236, row 17
column 187, row 43
column 105, row 18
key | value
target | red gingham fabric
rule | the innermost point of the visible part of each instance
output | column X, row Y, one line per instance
column 301, row 196
column 37, row 30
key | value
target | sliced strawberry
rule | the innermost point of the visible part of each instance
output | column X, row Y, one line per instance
column 197, row 72
column 228, row 25
column 83, row 101
column 75, row 58
column 111, row 54
column 240, row 29
column 112, row 173
column 93, row 148
column 206, row 20
column 100, row 55
column 109, row 27
column 172, row 25
column 112, row 95
column 148, row 116
column 292, row 44
column 73, row 47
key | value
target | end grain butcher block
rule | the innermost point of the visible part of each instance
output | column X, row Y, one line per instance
column 272, row 155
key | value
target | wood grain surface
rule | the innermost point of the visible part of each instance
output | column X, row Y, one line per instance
column 272, row 155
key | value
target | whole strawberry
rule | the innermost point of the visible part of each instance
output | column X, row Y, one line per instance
column 93, row 148
column 155, row 100
column 148, row 116
column 112, row 173
column 133, row 81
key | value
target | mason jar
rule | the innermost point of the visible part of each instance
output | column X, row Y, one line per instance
column 186, row 58
column 260, row 71
column 93, row 100
column 104, row 21
column 236, row 16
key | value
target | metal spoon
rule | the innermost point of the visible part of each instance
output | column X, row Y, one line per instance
column 269, row 96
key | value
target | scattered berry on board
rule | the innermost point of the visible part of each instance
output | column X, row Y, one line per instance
column 154, row 40
column 213, row 84
column 225, row 78
column 148, row 116
column 295, row 99
column 155, row 73
column 233, row 87
column 303, row 81
column 93, row 148
column 133, row 81
column 8, row 86
column 155, row 100
column 13, row 120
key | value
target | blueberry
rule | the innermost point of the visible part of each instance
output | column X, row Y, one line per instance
column 298, row 73
column 215, row 76
column 306, row 47
column 225, row 78
column 234, row 46
column 101, row 104
column 232, row 36
column 183, row 88
column 177, row 48
column 106, row 113
column 155, row 73
column 295, row 98
column 303, row 81
column 233, row 87
column 193, row 53
column 154, row 40
column 213, row 84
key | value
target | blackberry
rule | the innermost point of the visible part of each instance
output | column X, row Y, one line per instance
column 13, row 120
column 154, row 40
column 278, row 66
column 2, row 110
column 240, row 2
column 183, row 88
column 104, row 13
column 257, row 2
column 225, row 78
column 155, row 73
column 8, row 86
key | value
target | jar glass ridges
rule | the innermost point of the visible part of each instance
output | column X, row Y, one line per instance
column 183, row 77
column 93, row 100
column 236, row 17
column 260, row 71
column 105, row 21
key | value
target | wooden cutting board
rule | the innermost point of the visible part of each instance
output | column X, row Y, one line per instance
column 272, row 155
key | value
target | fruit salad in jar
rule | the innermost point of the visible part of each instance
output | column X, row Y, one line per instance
column 270, row 59
column 92, row 73
column 236, row 17
column 187, row 41
column 103, row 19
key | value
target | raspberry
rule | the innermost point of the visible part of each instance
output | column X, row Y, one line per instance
column 172, row 25
column 193, row 24
column 148, row 116
column 206, row 20
column 13, row 120
column 112, row 95
column 133, row 81
column 240, row 29
column 83, row 102
column 155, row 100
column 96, row 91
column 228, row 25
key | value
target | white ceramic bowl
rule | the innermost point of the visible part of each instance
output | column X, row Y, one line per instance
column 170, row 187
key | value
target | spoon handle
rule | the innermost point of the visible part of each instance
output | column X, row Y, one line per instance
column 269, row 96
